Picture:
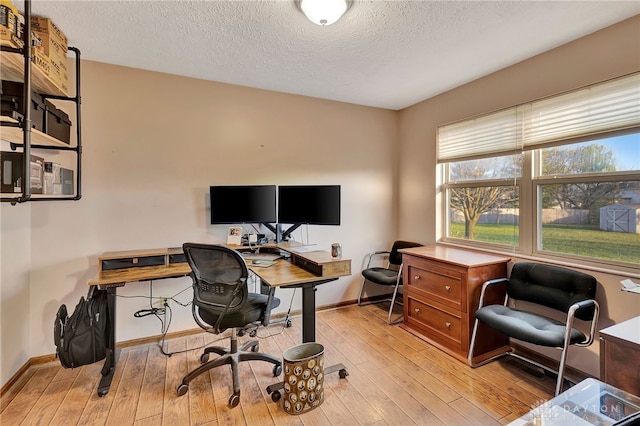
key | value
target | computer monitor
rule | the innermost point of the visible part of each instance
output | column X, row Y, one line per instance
column 309, row 204
column 243, row 204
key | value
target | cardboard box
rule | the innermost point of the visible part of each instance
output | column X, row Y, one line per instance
column 62, row 187
column 40, row 60
column 7, row 38
column 58, row 75
column 46, row 26
column 9, row 27
column 54, row 48
column 67, row 181
column 11, row 172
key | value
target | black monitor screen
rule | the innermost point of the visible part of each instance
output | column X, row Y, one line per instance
column 243, row 204
column 311, row 204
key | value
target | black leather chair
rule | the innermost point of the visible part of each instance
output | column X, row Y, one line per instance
column 389, row 276
column 564, row 290
column 221, row 300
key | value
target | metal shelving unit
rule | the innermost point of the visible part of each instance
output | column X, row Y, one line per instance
column 15, row 64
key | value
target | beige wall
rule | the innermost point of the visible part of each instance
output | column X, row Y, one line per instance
column 608, row 53
column 154, row 143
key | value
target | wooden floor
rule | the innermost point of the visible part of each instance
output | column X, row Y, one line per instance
column 394, row 379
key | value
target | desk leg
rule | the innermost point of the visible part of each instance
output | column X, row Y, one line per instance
column 308, row 335
column 309, row 314
column 112, row 353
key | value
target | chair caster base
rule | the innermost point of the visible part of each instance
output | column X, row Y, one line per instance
column 182, row 389
column 277, row 370
column 234, row 400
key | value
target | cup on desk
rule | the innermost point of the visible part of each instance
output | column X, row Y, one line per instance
column 336, row 250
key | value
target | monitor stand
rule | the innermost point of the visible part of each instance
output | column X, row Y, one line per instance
column 281, row 235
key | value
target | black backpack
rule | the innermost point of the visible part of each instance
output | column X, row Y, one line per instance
column 82, row 337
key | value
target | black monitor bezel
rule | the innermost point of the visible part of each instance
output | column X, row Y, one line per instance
column 308, row 201
column 265, row 216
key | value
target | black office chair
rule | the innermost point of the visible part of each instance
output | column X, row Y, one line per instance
column 221, row 300
column 389, row 276
column 561, row 289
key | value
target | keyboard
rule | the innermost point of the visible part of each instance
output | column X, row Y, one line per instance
column 261, row 256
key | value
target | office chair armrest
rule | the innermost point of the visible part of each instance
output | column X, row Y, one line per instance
column 376, row 253
column 486, row 285
column 583, row 304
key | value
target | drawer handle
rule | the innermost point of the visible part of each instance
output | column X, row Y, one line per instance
column 417, row 310
column 416, row 278
column 447, row 287
column 447, row 324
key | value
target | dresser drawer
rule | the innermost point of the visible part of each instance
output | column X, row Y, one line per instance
column 436, row 283
column 439, row 324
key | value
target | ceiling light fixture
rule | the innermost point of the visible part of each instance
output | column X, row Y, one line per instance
column 324, row 12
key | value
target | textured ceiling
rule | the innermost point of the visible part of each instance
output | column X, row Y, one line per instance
column 388, row 54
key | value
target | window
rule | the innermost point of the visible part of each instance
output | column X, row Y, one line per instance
column 483, row 197
column 587, row 205
column 561, row 179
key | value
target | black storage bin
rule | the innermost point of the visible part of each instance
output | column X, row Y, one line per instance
column 11, row 97
column 9, row 107
column 11, row 172
column 132, row 262
column 57, row 123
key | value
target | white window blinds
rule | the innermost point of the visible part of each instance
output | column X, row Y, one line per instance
column 604, row 107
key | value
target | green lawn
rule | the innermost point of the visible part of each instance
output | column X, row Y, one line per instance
column 570, row 239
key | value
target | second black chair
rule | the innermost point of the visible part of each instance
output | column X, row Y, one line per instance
column 221, row 300
column 389, row 276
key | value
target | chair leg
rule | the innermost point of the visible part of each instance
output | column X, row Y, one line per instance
column 473, row 343
column 472, row 347
column 393, row 303
column 361, row 291
column 563, row 360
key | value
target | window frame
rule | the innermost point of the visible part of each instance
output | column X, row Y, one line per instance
column 529, row 184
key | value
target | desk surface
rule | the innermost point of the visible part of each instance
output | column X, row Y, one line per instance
column 628, row 330
column 590, row 402
column 282, row 273
column 142, row 273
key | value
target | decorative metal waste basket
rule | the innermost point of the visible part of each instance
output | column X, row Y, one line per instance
column 303, row 377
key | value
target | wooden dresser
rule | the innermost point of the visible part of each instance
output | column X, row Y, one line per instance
column 442, row 288
column 620, row 355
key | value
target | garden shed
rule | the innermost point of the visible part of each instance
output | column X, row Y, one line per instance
column 620, row 217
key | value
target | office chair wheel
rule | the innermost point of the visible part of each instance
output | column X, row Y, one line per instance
column 102, row 393
column 241, row 332
column 255, row 347
column 277, row 370
column 343, row 373
column 253, row 333
column 275, row 396
column 288, row 324
column 204, row 358
column 182, row 389
column 234, row 400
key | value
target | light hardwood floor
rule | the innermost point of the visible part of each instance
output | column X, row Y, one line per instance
column 394, row 379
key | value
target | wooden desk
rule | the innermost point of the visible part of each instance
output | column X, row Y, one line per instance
column 620, row 355
column 305, row 270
